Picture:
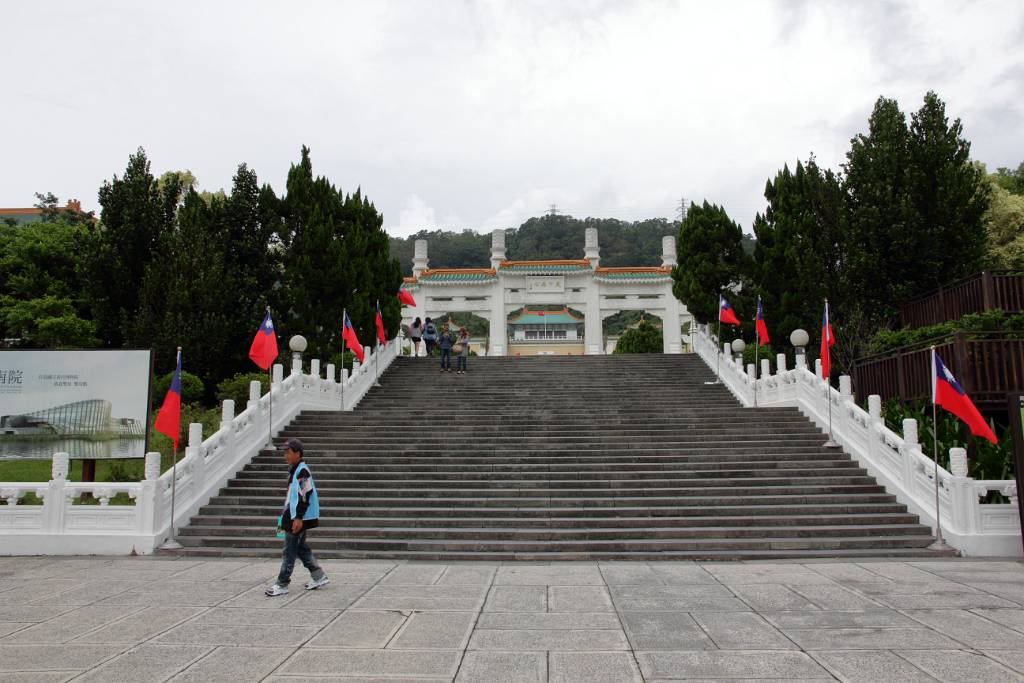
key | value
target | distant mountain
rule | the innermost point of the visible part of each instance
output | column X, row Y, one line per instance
column 548, row 237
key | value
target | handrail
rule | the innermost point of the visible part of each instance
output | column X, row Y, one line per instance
column 58, row 527
column 896, row 461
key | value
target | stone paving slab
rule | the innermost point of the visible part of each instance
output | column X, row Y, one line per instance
column 158, row 619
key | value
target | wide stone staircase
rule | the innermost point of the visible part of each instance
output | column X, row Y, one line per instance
column 600, row 457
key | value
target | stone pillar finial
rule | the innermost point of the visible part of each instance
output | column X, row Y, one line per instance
column 497, row 247
column 419, row 258
column 668, row 251
column 591, row 252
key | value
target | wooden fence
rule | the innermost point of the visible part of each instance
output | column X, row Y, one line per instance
column 983, row 292
column 987, row 365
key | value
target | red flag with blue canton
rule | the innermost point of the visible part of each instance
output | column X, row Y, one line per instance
column 168, row 419
column 948, row 394
column 263, row 351
column 348, row 333
column 760, row 326
column 406, row 298
column 725, row 312
column 827, row 341
column 381, row 337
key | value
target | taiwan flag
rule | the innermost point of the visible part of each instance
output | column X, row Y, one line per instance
column 760, row 326
column 348, row 333
column 949, row 395
column 725, row 312
column 406, row 298
column 168, row 418
column 381, row 337
column 263, row 351
column 827, row 341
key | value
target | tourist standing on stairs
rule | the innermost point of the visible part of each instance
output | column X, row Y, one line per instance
column 415, row 334
column 430, row 336
column 445, row 343
column 301, row 512
column 460, row 360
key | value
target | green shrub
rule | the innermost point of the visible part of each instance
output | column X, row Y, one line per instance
column 987, row 321
column 192, row 388
column 342, row 360
column 762, row 352
column 645, row 338
column 237, row 388
column 986, row 461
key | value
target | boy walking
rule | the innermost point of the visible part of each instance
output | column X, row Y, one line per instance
column 301, row 512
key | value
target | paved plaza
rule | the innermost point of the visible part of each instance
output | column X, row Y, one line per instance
column 145, row 619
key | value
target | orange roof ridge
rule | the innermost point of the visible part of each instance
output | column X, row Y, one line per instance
column 553, row 262
column 456, row 271
column 633, row 269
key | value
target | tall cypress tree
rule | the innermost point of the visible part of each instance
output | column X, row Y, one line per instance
column 136, row 215
column 337, row 258
column 880, row 239
column 797, row 258
column 710, row 259
column 949, row 196
column 915, row 207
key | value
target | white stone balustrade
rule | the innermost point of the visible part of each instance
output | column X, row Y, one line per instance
column 897, row 462
column 59, row 525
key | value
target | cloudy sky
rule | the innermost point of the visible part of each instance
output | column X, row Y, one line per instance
column 482, row 114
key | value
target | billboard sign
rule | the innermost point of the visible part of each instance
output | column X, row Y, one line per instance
column 92, row 405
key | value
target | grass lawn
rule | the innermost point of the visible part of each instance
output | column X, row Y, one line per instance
column 39, row 470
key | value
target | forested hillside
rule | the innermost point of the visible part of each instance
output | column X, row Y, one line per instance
column 548, row 237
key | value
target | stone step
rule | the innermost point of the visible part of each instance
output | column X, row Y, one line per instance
column 565, row 535
column 625, row 556
column 340, row 520
column 596, row 545
column 768, row 511
column 558, row 459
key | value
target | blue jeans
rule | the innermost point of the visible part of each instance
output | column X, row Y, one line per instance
column 460, row 362
column 446, row 358
column 295, row 547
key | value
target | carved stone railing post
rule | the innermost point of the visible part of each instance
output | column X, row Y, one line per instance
column 54, row 503
column 195, row 452
column 963, row 499
column 255, row 391
column 910, row 444
column 145, row 502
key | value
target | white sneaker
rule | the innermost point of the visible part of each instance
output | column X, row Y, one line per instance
column 276, row 589
column 313, row 584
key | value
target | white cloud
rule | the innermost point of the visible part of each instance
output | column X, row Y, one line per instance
column 483, row 114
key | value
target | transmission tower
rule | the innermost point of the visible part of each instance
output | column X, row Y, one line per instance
column 681, row 211
column 553, row 210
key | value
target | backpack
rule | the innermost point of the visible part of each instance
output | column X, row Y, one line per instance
column 430, row 332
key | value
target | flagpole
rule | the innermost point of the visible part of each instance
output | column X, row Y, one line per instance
column 376, row 350
column 270, row 397
column 831, row 443
column 939, row 543
column 757, row 349
column 170, row 543
column 718, row 345
column 344, row 317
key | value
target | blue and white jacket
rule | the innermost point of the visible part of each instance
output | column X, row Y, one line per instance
column 302, row 501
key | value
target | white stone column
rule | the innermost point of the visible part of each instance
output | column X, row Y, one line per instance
column 591, row 252
column 419, row 258
column 592, row 325
column 497, row 247
column 670, row 332
column 668, row 251
column 497, row 344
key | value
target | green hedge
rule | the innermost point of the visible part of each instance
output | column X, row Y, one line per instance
column 989, row 321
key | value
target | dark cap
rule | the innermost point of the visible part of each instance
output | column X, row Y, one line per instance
column 293, row 444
